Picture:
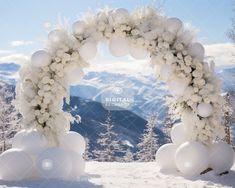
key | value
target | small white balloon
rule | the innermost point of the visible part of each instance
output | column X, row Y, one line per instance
column 88, row 50
column 57, row 36
column 196, row 50
column 120, row 16
column 33, row 142
column 178, row 135
column 54, row 163
column 138, row 52
column 73, row 141
column 221, row 157
column 166, row 72
column 204, row 109
column 16, row 140
column 177, row 86
column 78, row 27
column 173, row 25
column 192, row 158
column 119, row 46
column 40, row 58
column 165, row 157
column 15, row 165
column 78, row 165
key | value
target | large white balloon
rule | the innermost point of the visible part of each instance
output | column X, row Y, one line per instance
column 54, row 163
column 57, row 36
column 88, row 50
column 166, row 72
column 74, row 76
column 196, row 50
column 40, row 58
column 15, row 165
column 192, row 158
column 178, row 135
column 33, row 142
column 165, row 157
column 16, row 140
column 78, row 165
column 120, row 16
column 177, row 86
column 119, row 46
column 138, row 52
column 221, row 157
column 204, row 109
column 173, row 25
column 73, row 141
column 78, row 27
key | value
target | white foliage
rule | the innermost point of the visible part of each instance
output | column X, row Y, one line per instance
column 40, row 58
column 88, row 50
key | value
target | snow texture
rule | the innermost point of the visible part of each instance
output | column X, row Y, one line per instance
column 130, row 175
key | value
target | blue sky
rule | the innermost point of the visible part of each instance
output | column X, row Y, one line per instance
column 22, row 21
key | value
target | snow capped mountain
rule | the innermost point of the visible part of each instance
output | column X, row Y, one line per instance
column 8, row 72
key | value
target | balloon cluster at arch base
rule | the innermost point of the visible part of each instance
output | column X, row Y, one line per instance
column 193, row 158
column 32, row 157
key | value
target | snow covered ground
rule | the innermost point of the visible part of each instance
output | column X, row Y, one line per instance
column 129, row 175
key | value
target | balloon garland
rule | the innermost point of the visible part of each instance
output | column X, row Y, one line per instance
column 175, row 58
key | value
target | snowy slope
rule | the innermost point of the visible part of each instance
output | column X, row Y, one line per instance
column 130, row 175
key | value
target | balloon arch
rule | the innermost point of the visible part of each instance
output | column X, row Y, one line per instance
column 175, row 58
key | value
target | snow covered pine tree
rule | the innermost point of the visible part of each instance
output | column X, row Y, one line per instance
column 109, row 145
column 149, row 142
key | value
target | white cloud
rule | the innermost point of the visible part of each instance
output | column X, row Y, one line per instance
column 21, row 43
column 14, row 58
column 223, row 54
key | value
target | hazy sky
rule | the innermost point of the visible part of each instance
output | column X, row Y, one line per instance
column 23, row 23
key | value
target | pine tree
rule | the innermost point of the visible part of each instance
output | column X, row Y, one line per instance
column 148, row 145
column 128, row 156
column 109, row 145
column 87, row 154
column 9, row 118
column 228, row 113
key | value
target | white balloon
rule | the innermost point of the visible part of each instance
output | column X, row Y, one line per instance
column 165, row 157
column 15, row 165
column 221, row 157
column 204, row 109
column 196, row 50
column 78, row 165
column 185, row 37
column 74, row 77
column 173, row 24
column 78, row 27
column 54, row 163
column 120, row 15
column 119, row 46
column 73, row 141
column 16, row 140
column 138, row 52
column 177, row 86
column 166, row 72
column 57, row 36
column 33, row 142
column 192, row 158
column 40, row 58
column 178, row 135
column 88, row 50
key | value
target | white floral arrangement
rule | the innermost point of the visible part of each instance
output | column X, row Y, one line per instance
column 175, row 58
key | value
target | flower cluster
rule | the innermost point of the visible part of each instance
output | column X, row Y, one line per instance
column 175, row 58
